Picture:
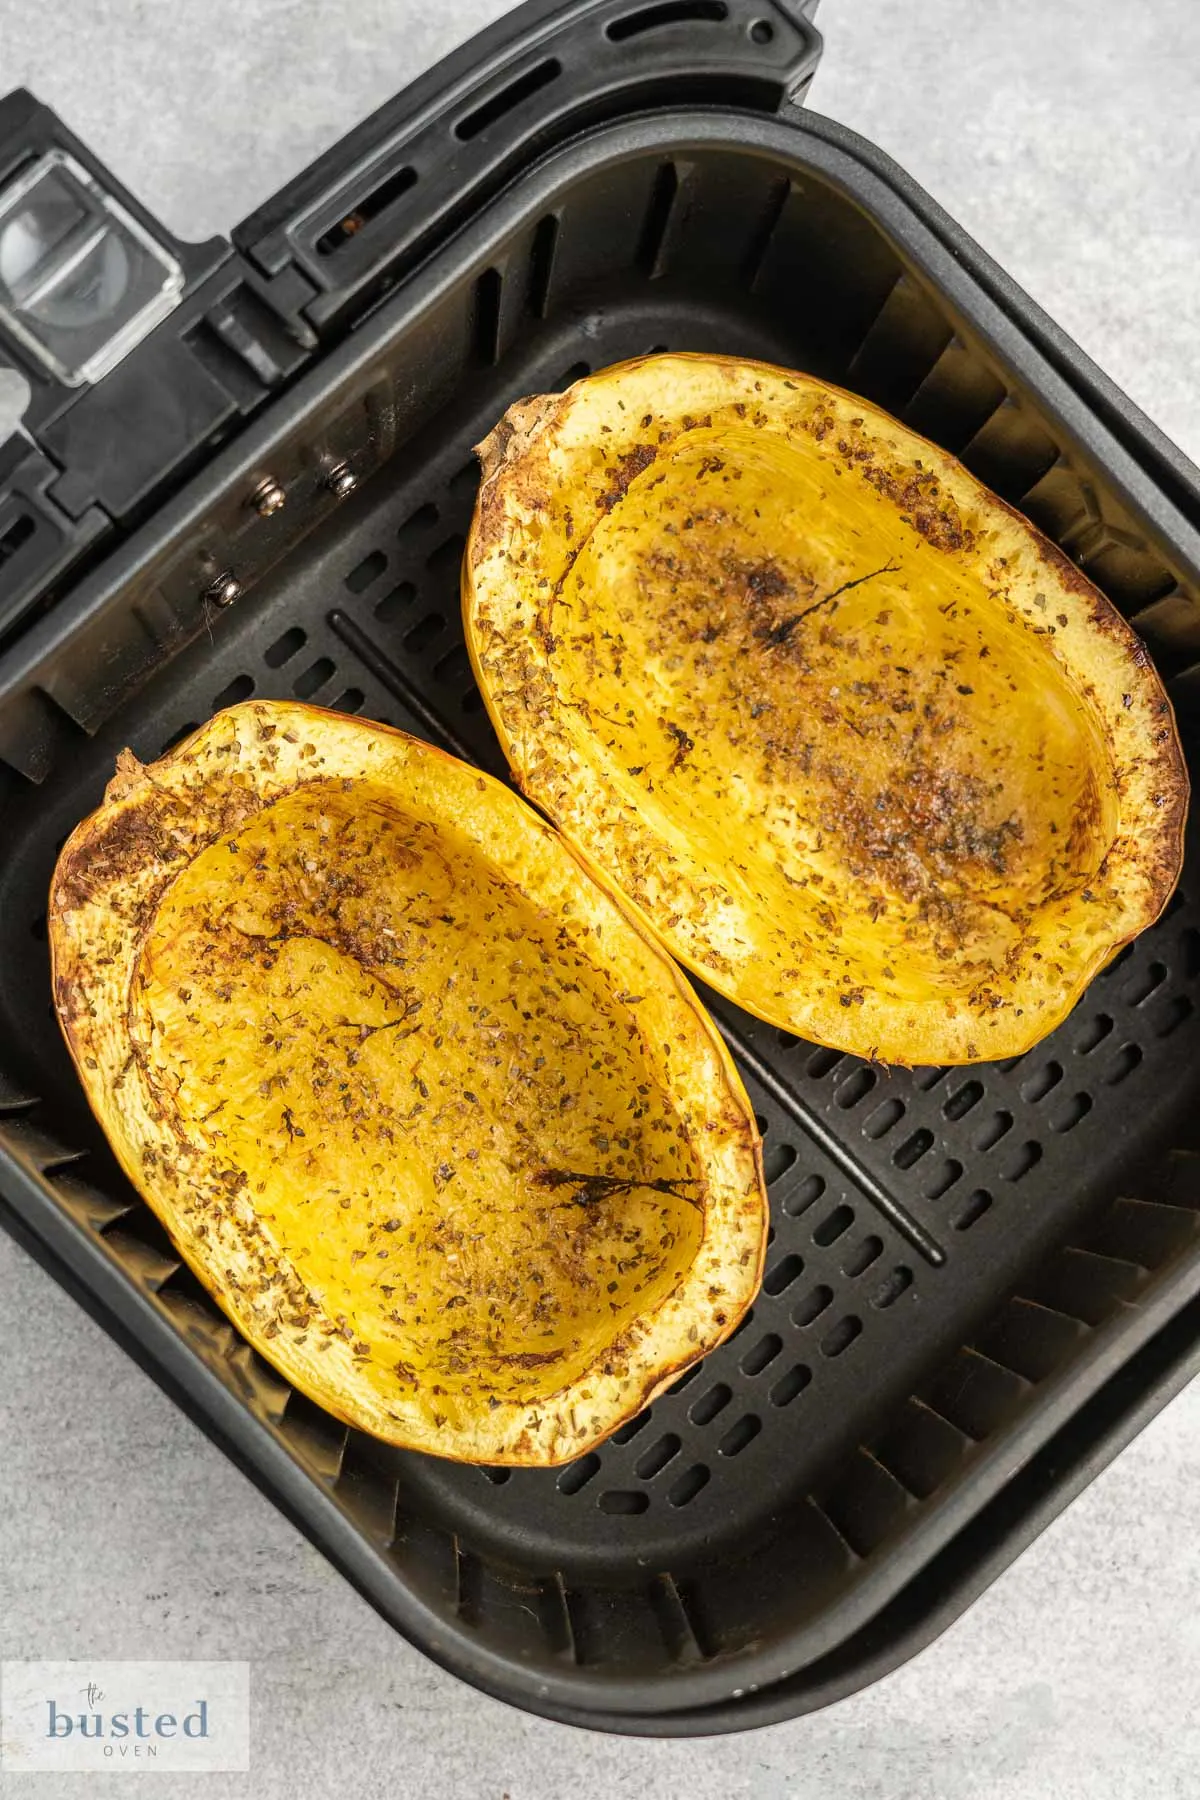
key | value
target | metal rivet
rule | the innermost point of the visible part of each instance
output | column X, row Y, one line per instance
column 268, row 497
column 341, row 480
column 224, row 589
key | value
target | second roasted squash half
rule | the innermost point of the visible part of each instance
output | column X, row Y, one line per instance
column 439, row 1126
column 862, row 747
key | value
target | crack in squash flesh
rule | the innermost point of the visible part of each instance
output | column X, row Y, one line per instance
column 445, row 1135
column 861, row 747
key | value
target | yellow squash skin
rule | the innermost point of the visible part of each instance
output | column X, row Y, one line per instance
column 861, row 747
column 436, row 1122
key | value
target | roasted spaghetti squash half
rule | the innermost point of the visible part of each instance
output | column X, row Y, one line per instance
column 441, row 1128
column 862, row 748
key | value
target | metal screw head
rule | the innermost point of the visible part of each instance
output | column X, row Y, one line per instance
column 268, row 497
column 341, row 480
column 224, row 589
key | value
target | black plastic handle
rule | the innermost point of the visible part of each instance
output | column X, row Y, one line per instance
column 364, row 211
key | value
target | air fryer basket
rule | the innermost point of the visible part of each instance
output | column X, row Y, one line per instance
column 961, row 1260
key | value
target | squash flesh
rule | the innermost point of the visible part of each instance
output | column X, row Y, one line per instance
column 845, row 731
column 400, row 1079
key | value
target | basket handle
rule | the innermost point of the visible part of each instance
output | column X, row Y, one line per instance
column 359, row 216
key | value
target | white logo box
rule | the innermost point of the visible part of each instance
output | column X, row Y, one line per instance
column 84, row 1717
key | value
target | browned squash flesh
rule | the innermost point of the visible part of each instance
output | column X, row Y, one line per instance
column 858, row 743
column 439, row 1126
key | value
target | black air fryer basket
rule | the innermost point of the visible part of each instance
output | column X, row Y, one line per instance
column 981, row 1281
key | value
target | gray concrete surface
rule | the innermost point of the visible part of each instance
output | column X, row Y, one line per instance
column 1063, row 133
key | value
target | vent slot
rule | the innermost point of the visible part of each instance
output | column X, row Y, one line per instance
column 508, row 99
column 18, row 533
column 669, row 12
column 377, row 201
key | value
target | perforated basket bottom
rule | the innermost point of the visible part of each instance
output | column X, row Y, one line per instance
column 911, row 1306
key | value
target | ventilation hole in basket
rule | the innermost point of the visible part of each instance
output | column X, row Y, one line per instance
column 569, row 376
column 739, row 1436
column 790, row 1385
column 1122, row 1065
column 169, row 743
column 419, row 636
column 959, row 1103
column 424, row 519
column 508, row 99
column 943, row 1178
column 762, row 1353
column 1094, row 1033
column 398, row 601
column 486, row 326
column 1025, row 1157
column 666, row 12
column 472, row 700
column 452, row 667
column 710, row 1403
column 924, row 1079
column 805, row 1194
column 657, row 222
column 998, row 1126
column 622, row 1502
column 377, row 201
column 1069, row 1113
column 497, row 1477
column 1041, row 1082
column 891, row 1287
column 965, row 1212
column 1011, row 1062
column 770, row 1235
column 689, row 1375
column 841, row 1336
column 1189, row 944
column 541, row 265
column 786, row 1040
column 314, row 677
column 887, row 1114
column 862, row 1256
column 285, row 647
column 855, row 1088
column 821, row 1062
column 812, row 1306
column 1118, row 962
column 464, row 483
column 1143, row 983
column 37, row 928
column 912, row 1149
column 445, row 563
column 348, row 701
column 688, row 1485
column 833, row 1225
column 631, row 1428
column 578, row 1474
column 761, row 31
column 777, row 1160
column 364, row 573
column 782, row 1274
column 1174, row 1014
column 652, row 1461
column 240, row 688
